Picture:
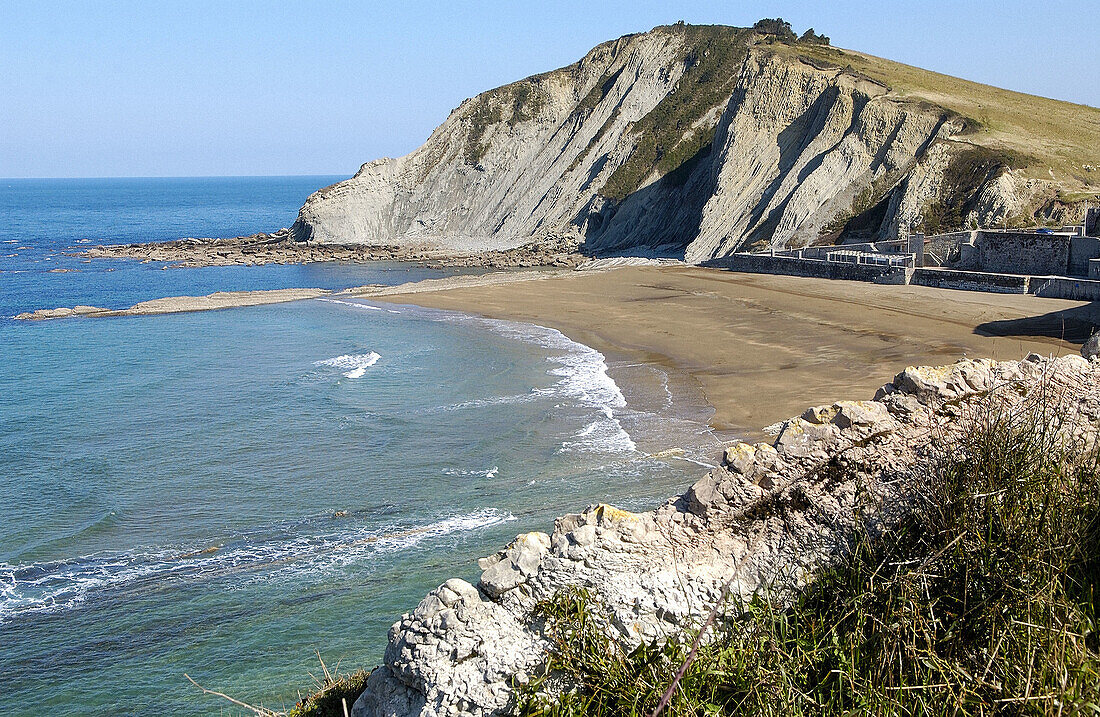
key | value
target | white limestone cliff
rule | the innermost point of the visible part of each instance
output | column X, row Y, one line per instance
column 788, row 153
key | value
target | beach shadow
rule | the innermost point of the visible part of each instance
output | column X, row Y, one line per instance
column 1074, row 325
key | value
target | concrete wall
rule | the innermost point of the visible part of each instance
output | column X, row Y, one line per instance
column 938, row 248
column 1092, row 221
column 1023, row 253
column 1094, row 268
column 1060, row 287
column 970, row 281
column 792, row 266
column 1081, row 251
column 1013, row 252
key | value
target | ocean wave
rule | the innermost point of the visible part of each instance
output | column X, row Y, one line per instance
column 582, row 373
column 489, row 473
column 491, row 401
column 353, row 304
column 583, row 379
column 301, row 548
column 357, row 364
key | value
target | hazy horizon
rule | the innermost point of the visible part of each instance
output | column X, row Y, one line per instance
column 124, row 90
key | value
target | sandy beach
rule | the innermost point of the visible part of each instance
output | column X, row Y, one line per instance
column 762, row 347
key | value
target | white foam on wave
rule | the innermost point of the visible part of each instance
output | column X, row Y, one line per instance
column 62, row 585
column 490, row 473
column 353, row 304
column 357, row 364
column 584, row 379
column 582, row 372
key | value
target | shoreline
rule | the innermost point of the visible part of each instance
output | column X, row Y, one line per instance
column 666, row 415
column 763, row 347
column 180, row 304
column 755, row 347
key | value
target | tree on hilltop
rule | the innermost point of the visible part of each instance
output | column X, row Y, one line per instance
column 813, row 38
column 778, row 27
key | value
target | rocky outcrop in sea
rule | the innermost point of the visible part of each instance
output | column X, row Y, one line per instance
column 772, row 515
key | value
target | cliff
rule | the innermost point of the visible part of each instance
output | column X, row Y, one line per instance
column 772, row 516
column 696, row 141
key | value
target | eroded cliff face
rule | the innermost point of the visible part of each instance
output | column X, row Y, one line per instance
column 684, row 141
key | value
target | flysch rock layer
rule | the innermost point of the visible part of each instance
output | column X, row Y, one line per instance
column 766, row 520
column 794, row 147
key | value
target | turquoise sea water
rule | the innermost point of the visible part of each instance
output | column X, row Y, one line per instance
column 223, row 493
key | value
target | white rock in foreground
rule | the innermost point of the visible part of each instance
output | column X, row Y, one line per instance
column 768, row 518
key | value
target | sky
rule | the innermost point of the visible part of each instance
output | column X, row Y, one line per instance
column 196, row 88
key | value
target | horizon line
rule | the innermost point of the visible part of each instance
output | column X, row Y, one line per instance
column 180, row 176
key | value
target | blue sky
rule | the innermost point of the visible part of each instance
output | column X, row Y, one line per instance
column 228, row 88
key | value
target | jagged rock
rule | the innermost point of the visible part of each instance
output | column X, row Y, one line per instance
column 514, row 564
column 765, row 520
column 1091, row 348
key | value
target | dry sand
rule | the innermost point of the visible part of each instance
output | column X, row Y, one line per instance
column 762, row 347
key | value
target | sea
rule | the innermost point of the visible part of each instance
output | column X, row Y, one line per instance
column 236, row 495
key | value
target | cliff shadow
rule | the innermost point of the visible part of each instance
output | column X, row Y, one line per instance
column 1073, row 325
column 659, row 220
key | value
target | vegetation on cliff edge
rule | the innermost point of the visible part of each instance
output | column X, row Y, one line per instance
column 984, row 601
column 674, row 131
column 1060, row 140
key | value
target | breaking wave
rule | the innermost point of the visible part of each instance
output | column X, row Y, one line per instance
column 64, row 584
column 357, row 364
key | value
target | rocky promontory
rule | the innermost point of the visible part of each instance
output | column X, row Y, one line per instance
column 766, row 520
column 696, row 141
column 280, row 248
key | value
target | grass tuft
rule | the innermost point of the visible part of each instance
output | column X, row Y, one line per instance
column 984, row 601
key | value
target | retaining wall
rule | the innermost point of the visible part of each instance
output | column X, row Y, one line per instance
column 1081, row 250
column 970, row 280
column 1060, row 287
column 793, row 266
column 1055, row 287
column 938, row 248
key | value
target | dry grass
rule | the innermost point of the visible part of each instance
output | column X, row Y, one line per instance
column 984, row 602
column 1058, row 136
column 332, row 696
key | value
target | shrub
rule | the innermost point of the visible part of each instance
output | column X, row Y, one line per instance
column 813, row 38
column 984, row 601
column 777, row 27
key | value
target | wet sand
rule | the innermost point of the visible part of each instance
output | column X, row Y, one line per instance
column 182, row 304
column 762, row 348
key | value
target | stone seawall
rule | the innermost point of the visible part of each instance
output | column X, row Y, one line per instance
column 1081, row 251
column 815, row 268
column 970, row 281
column 939, row 248
column 771, row 516
column 1013, row 252
column 1053, row 287
column 1060, row 287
